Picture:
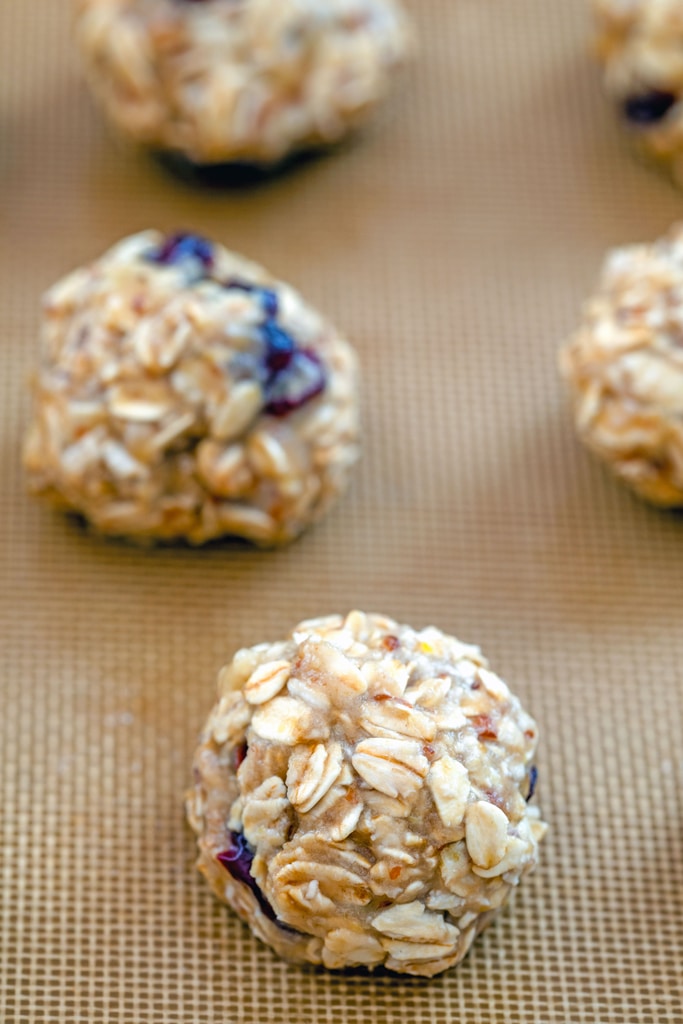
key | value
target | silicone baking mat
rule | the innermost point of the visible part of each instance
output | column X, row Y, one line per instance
column 454, row 243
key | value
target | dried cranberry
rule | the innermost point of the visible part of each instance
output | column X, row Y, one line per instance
column 237, row 861
column 240, row 754
column 267, row 296
column 280, row 347
column 303, row 379
column 269, row 302
column 290, row 376
column 648, row 107
column 182, row 248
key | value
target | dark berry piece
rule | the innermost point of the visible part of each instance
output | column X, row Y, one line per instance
column 240, row 754
column 303, row 379
column 269, row 303
column 280, row 347
column 648, row 108
column 182, row 248
column 237, row 861
column 533, row 779
column 267, row 297
column 240, row 285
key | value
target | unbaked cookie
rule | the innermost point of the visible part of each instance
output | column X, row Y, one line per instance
column 640, row 44
column 362, row 794
column 624, row 367
column 186, row 394
column 239, row 80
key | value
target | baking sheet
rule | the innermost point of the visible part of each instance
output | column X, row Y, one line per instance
column 454, row 243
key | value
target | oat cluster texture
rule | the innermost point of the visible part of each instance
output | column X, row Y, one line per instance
column 640, row 46
column 185, row 395
column 624, row 367
column 452, row 244
column 252, row 80
column 362, row 794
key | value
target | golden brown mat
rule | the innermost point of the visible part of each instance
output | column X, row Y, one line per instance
column 454, row 244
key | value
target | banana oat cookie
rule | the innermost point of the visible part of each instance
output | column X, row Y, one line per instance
column 186, row 394
column 624, row 367
column 640, row 45
column 362, row 794
column 239, row 80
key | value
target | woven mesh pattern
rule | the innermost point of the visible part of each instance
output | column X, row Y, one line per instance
column 453, row 244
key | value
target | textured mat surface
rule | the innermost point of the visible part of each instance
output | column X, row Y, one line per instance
column 454, row 243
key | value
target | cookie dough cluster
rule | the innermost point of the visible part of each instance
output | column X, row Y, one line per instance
column 640, row 44
column 186, row 394
column 239, row 80
column 362, row 794
column 624, row 367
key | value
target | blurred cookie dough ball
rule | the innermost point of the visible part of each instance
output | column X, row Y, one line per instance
column 186, row 394
column 362, row 794
column 624, row 367
column 640, row 45
column 239, row 80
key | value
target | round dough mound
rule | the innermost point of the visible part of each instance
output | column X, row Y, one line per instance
column 640, row 44
column 239, row 80
column 185, row 394
column 361, row 794
column 625, row 368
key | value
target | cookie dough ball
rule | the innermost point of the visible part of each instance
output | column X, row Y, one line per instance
column 640, row 44
column 362, row 794
column 250, row 81
column 624, row 367
column 186, row 394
